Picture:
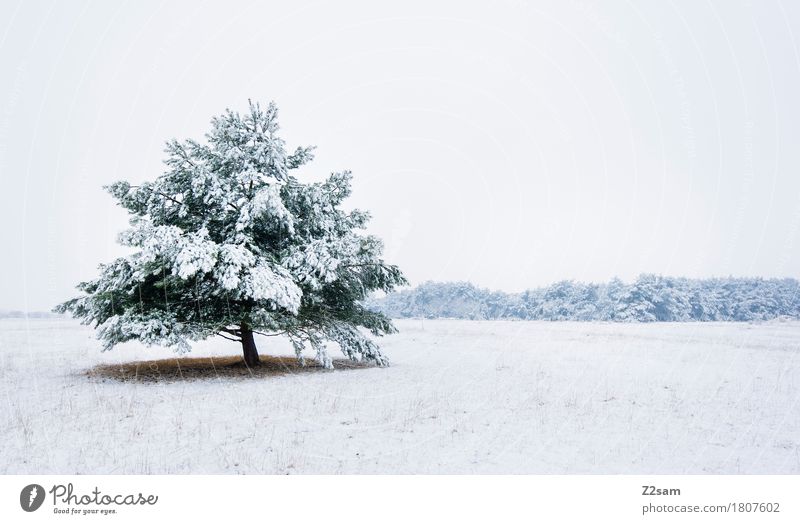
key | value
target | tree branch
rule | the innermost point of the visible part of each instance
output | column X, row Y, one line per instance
column 228, row 338
column 161, row 194
column 269, row 334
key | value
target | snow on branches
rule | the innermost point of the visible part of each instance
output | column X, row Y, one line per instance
column 227, row 241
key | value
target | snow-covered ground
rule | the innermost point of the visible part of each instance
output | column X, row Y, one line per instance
column 460, row 397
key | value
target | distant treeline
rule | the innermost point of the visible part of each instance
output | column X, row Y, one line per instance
column 650, row 298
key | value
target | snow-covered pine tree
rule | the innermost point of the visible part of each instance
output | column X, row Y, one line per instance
column 229, row 243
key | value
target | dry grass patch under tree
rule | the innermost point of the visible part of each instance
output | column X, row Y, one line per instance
column 200, row 368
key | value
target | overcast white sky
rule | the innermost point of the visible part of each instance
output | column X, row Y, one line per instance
column 507, row 143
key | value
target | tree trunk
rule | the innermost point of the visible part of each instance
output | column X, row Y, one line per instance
column 249, row 347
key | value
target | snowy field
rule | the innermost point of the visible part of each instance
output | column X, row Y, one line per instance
column 460, row 397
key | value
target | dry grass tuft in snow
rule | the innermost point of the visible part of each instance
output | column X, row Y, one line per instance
column 209, row 368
